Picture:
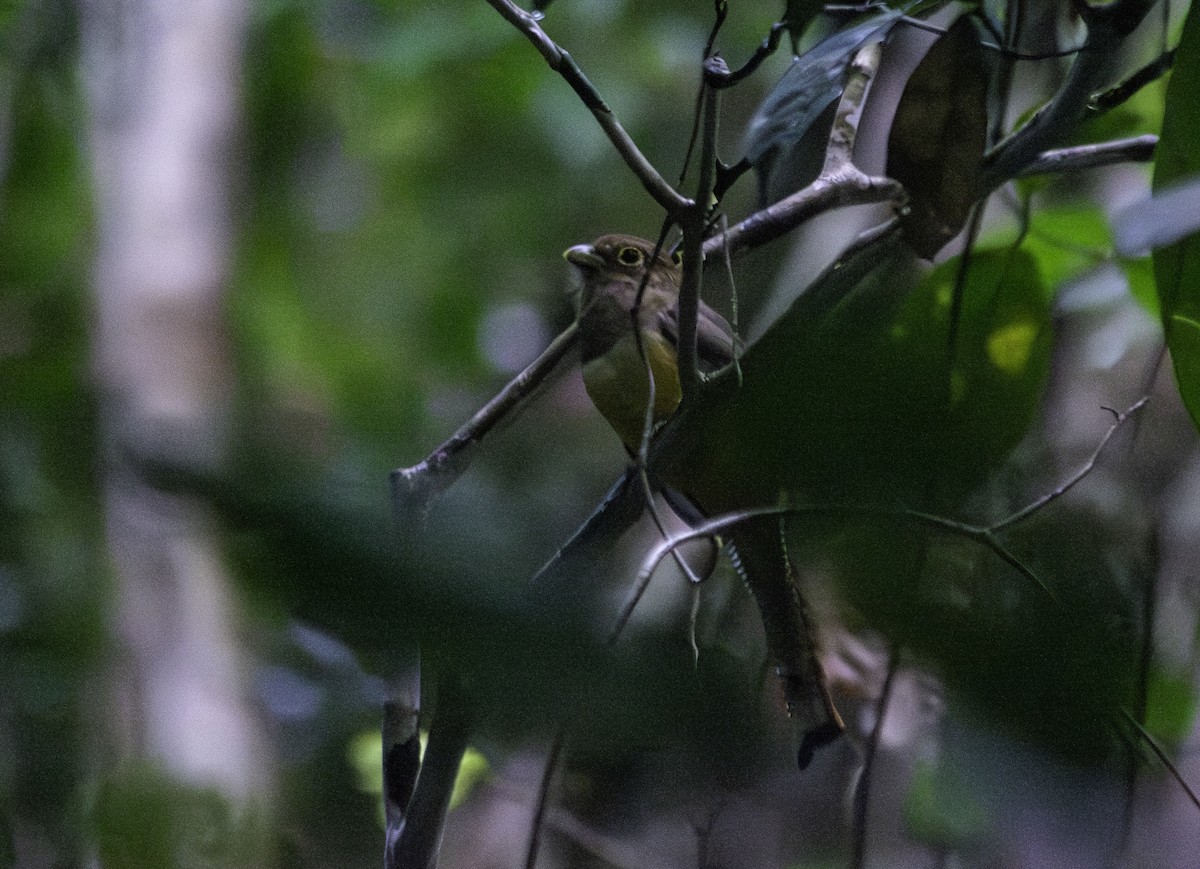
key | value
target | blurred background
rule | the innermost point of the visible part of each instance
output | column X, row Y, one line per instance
column 255, row 254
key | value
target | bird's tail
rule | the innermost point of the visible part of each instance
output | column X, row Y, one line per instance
column 757, row 550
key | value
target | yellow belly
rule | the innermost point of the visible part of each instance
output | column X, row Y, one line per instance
column 618, row 384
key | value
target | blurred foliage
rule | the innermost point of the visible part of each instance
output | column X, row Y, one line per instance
column 53, row 585
column 409, row 173
column 942, row 811
column 146, row 820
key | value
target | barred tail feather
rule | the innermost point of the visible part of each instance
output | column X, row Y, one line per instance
column 758, row 553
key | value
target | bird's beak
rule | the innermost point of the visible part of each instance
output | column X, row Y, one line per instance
column 583, row 256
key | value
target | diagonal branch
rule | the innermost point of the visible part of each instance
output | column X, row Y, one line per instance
column 1028, row 510
column 1163, row 758
column 1136, row 149
column 562, row 63
column 414, row 487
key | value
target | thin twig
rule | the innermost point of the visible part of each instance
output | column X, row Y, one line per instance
column 693, row 223
column 721, row 13
column 849, row 187
column 719, row 80
column 639, row 341
column 642, row 581
column 1141, row 694
column 652, row 509
column 986, row 536
column 840, row 183
column 1163, row 758
column 553, row 756
column 862, row 790
column 718, row 525
column 1030, row 509
column 562, row 63
column 1151, row 72
column 711, row 528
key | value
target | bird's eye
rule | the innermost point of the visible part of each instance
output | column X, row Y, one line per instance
column 630, row 256
column 677, row 258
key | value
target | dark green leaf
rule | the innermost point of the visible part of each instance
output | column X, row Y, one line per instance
column 775, row 136
column 1177, row 267
column 851, row 394
column 813, row 410
column 938, row 137
column 798, row 14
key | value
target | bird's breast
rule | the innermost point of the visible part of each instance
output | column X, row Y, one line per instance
column 618, row 383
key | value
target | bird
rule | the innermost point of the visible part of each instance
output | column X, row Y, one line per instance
column 617, row 378
column 625, row 283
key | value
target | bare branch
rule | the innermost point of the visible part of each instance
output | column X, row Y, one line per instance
column 849, row 187
column 414, row 487
column 1164, row 759
column 1108, row 26
column 693, row 224
column 562, row 63
column 718, row 524
column 721, row 79
column 553, row 758
column 840, row 183
column 1122, row 92
column 839, row 153
column 862, row 788
column 1030, row 509
column 1137, row 149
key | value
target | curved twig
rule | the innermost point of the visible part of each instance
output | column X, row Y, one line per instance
column 1120, row 416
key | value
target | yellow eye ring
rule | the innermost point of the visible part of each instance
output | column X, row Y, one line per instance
column 630, row 256
column 677, row 258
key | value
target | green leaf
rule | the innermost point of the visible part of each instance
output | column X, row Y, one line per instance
column 852, row 395
column 1177, row 267
column 942, row 809
column 1001, row 361
column 1171, row 704
column 1067, row 242
column 812, row 408
column 1184, row 335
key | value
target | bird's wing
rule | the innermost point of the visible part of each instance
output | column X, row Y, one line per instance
column 714, row 336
